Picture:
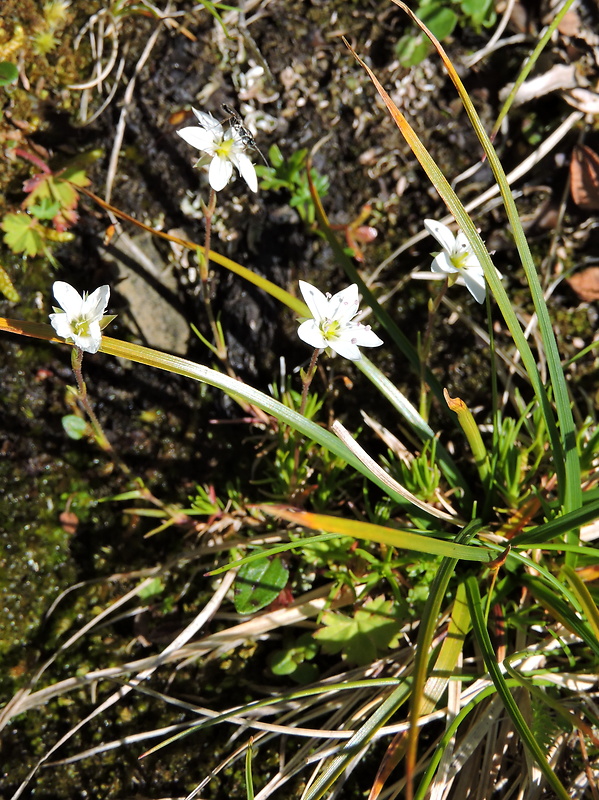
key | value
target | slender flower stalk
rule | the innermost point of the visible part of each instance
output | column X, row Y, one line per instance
column 80, row 320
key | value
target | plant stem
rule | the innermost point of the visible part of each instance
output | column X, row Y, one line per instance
column 425, row 347
column 308, row 380
column 220, row 346
column 100, row 436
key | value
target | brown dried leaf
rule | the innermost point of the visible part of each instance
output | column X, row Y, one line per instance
column 584, row 177
column 586, row 284
column 570, row 24
column 69, row 522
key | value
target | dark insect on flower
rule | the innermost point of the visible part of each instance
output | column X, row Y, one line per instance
column 243, row 133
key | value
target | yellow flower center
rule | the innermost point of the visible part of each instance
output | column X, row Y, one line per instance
column 329, row 328
column 80, row 326
column 458, row 259
column 224, row 148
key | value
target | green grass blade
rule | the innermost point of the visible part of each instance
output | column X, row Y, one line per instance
column 249, row 781
column 584, row 598
column 399, row 339
column 456, row 207
column 234, row 388
column 567, row 614
column 361, row 738
column 426, row 632
column 559, row 526
column 503, row 690
column 532, row 60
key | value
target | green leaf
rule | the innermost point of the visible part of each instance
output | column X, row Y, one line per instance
column 45, row 209
column 154, row 588
column 8, row 73
column 372, row 630
column 440, row 20
column 75, row 427
column 478, row 10
column 258, row 584
column 292, row 660
column 22, row 234
column 411, row 50
column 7, row 288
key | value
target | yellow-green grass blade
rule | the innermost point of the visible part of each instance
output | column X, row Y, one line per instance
column 401, row 539
column 584, row 598
column 361, row 738
column 531, row 61
column 269, row 287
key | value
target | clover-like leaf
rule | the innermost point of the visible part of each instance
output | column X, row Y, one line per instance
column 45, row 209
column 22, row 234
column 363, row 637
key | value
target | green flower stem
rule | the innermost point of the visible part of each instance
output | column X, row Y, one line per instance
column 470, row 428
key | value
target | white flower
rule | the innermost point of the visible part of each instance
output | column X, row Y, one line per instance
column 457, row 256
column 332, row 326
column 80, row 319
column 223, row 151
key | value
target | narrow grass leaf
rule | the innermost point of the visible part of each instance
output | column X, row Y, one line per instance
column 402, row 539
column 426, row 631
column 585, row 599
column 503, row 690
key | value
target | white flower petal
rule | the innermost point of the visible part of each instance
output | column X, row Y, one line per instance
column 441, row 233
column 91, row 341
column 364, row 336
column 82, row 318
column 310, row 333
column 344, row 305
column 315, row 300
column 68, row 298
column 246, row 170
column 471, row 262
column 198, row 137
column 331, row 327
column 442, row 263
column 61, row 324
column 94, row 306
column 475, row 283
column 209, row 122
column 346, row 348
column 219, row 173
